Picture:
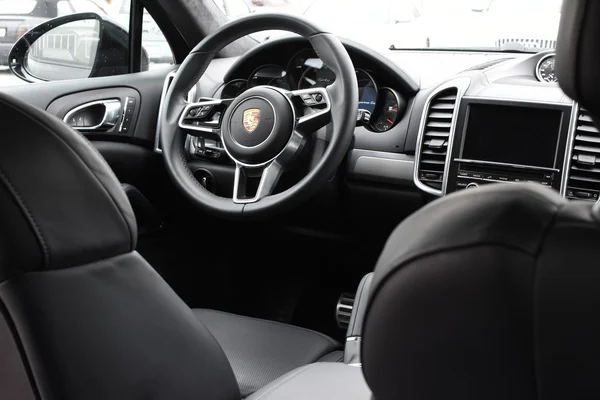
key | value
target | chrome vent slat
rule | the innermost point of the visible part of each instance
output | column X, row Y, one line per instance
column 583, row 179
column 442, row 106
column 439, row 125
column 440, row 115
column 587, row 138
column 588, row 128
column 436, row 132
column 586, row 149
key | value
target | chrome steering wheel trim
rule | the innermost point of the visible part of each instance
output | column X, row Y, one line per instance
column 263, row 129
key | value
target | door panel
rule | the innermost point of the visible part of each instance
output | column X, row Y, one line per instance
column 101, row 112
column 57, row 98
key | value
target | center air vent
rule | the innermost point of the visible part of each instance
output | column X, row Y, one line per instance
column 435, row 139
column 584, row 175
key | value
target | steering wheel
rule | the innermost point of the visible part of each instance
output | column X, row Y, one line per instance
column 264, row 128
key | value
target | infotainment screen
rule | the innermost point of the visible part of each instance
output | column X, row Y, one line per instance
column 512, row 135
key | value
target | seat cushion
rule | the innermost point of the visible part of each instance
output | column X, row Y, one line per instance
column 261, row 351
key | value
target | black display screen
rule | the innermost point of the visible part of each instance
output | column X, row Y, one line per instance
column 512, row 135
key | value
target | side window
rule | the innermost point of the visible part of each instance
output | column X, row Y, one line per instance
column 154, row 43
column 75, row 43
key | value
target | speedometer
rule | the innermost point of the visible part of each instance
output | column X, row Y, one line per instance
column 545, row 69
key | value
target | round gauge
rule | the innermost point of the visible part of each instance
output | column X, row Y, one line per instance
column 233, row 88
column 390, row 107
column 316, row 75
column 367, row 91
column 545, row 69
column 321, row 76
column 272, row 75
column 297, row 66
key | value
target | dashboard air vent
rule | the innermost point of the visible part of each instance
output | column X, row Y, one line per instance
column 584, row 175
column 436, row 138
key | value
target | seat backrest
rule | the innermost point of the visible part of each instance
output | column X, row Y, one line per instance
column 488, row 294
column 82, row 315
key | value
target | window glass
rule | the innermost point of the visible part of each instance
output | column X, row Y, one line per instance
column 19, row 16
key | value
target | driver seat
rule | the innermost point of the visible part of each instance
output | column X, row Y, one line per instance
column 84, row 316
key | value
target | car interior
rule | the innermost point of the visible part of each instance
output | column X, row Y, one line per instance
column 304, row 218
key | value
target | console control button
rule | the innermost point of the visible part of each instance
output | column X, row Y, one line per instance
column 472, row 185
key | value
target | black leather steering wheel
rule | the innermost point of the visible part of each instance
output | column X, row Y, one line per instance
column 264, row 128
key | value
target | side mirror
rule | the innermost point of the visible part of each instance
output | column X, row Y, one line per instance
column 75, row 46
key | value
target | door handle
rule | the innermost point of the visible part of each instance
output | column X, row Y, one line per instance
column 100, row 115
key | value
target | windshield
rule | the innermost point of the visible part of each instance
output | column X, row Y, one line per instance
column 493, row 25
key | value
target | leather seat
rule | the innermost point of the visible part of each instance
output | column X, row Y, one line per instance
column 259, row 351
column 495, row 293
column 82, row 315
column 492, row 294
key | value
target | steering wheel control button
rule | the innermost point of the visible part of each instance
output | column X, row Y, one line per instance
column 258, row 125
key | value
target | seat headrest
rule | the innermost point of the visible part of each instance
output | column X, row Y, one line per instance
column 488, row 294
column 578, row 53
column 60, row 203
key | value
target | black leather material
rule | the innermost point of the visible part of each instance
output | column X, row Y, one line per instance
column 113, row 330
column 82, row 316
column 261, row 351
column 488, row 294
column 343, row 94
column 321, row 381
column 71, row 208
column 578, row 53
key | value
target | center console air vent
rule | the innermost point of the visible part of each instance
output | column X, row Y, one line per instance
column 583, row 181
column 436, row 136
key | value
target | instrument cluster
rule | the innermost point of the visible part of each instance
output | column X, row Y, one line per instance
column 379, row 109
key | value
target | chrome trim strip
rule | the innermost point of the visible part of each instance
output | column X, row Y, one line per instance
column 106, row 104
column 123, row 113
column 533, row 167
column 207, row 129
column 511, row 100
column 537, row 67
column 190, row 99
column 325, row 101
column 461, row 84
column 569, row 151
column 163, row 95
column 294, row 143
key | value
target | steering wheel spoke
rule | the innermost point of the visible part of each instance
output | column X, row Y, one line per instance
column 204, row 118
column 265, row 177
column 264, row 128
column 315, row 104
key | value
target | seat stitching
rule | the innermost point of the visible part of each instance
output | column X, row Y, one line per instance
column 65, row 142
column 36, row 228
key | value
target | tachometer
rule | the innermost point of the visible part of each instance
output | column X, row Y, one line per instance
column 545, row 69
column 390, row 108
column 232, row 89
column 316, row 75
column 272, row 75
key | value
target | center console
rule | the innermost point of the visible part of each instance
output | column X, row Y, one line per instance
column 498, row 142
column 467, row 140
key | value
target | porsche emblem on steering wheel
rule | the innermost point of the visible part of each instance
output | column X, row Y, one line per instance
column 251, row 119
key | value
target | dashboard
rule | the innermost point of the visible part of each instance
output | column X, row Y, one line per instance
column 380, row 107
column 502, row 119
